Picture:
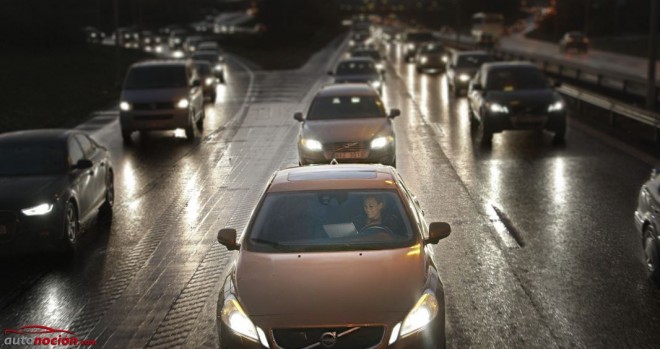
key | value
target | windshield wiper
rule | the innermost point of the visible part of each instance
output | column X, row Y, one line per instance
column 267, row 242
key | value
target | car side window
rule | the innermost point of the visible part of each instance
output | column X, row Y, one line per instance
column 75, row 151
column 86, row 145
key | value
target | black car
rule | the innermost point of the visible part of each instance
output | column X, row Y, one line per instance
column 574, row 40
column 51, row 183
column 358, row 70
column 412, row 40
column 462, row 66
column 514, row 96
column 431, row 57
column 647, row 221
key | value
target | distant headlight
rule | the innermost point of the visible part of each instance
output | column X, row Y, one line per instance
column 183, row 103
column 376, row 84
column 235, row 318
column 352, row 42
column 125, row 106
column 159, row 49
column 464, row 77
column 498, row 108
column 39, row 210
column 411, row 46
column 177, row 54
column 423, row 59
column 421, row 314
column 93, row 35
column 312, row 144
column 445, row 58
column 556, row 106
column 209, row 81
column 380, row 142
column 380, row 66
column 218, row 67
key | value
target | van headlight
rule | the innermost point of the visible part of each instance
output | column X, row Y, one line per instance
column 376, row 84
column 235, row 318
column 312, row 144
column 183, row 103
column 464, row 77
column 38, row 210
column 498, row 108
column 556, row 106
column 125, row 106
column 421, row 314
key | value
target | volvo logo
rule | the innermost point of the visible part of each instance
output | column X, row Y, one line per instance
column 349, row 145
column 329, row 339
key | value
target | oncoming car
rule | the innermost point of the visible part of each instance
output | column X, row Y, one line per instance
column 347, row 123
column 333, row 256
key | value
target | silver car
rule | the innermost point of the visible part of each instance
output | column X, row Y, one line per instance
column 647, row 221
column 358, row 69
column 161, row 95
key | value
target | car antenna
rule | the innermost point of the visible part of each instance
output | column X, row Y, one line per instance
column 334, row 162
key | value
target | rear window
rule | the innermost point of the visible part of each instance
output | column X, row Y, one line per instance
column 515, row 78
column 337, row 220
column 156, row 77
column 370, row 54
column 356, row 68
column 346, row 107
column 473, row 61
column 32, row 159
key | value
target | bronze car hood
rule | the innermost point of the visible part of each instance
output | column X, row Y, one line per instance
column 363, row 129
column 330, row 285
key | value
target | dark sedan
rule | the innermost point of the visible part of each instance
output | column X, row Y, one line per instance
column 461, row 69
column 335, row 256
column 647, row 221
column 358, row 69
column 51, row 183
column 514, row 96
column 431, row 57
column 347, row 123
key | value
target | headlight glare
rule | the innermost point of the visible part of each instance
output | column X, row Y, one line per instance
column 421, row 314
column 234, row 317
column 183, row 103
column 379, row 142
column 464, row 77
column 395, row 334
column 445, row 58
column 376, row 84
column 556, row 106
column 125, row 106
column 209, row 81
column 312, row 144
column 38, row 210
column 423, row 59
column 498, row 108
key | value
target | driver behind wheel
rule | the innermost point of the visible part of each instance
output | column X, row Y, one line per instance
column 375, row 216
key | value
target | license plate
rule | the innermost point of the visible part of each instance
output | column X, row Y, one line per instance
column 349, row 155
column 3, row 230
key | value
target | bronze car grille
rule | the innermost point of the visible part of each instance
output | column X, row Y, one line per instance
column 343, row 337
column 349, row 147
column 153, row 106
column 8, row 225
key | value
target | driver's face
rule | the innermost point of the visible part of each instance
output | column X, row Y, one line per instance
column 372, row 208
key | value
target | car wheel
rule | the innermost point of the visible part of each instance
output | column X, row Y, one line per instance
column 222, row 77
column 71, row 228
column 213, row 97
column 126, row 136
column 200, row 122
column 190, row 128
column 560, row 133
column 484, row 133
column 457, row 92
column 651, row 257
column 106, row 207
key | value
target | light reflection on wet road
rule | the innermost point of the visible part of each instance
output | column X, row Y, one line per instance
column 578, row 280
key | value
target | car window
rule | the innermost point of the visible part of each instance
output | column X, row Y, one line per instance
column 473, row 61
column 75, row 152
column 432, row 49
column 335, row 220
column 86, row 145
column 356, row 68
column 31, row 159
column 512, row 79
column 156, row 77
column 346, row 107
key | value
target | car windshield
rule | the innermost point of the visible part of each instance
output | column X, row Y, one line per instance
column 346, row 107
column 32, row 159
column 432, row 49
column 151, row 77
column 473, row 61
column 419, row 37
column 356, row 68
column 336, row 220
column 371, row 54
column 512, row 79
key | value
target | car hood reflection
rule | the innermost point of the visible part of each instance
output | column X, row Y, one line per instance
column 535, row 96
column 27, row 191
column 337, row 286
column 346, row 130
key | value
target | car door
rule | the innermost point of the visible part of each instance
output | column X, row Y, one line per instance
column 98, row 171
column 80, row 179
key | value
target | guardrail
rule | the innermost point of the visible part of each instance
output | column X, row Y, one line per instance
column 612, row 80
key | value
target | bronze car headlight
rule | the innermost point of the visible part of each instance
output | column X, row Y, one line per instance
column 125, row 106
column 38, row 210
column 380, row 142
column 421, row 314
column 235, row 318
column 312, row 144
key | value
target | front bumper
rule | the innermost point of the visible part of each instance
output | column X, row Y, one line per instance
column 386, row 156
column 158, row 119
column 522, row 121
column 21, row 232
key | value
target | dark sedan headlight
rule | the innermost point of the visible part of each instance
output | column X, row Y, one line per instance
column 209, row 81
column 311, row 144
column 38, row 210
column 218, row 67
column 498, row 108
column 464, row 77
column 420, row 315
column 124, row 106
column 556, row 107
column 376, row 84
column 381, row 142
column 235, row 318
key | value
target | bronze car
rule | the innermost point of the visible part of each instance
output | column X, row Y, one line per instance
column 347, row 123
column 334, row 256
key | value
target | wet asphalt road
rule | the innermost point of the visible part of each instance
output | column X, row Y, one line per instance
column 150, row 277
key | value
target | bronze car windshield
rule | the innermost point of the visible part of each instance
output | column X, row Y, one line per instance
column 330, row 221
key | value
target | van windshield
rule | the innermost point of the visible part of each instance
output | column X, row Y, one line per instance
column 154, row 77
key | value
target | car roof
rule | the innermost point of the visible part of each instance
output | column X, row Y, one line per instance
column 498, row 65
column 333, row 177
column 352, row 89
column 40, row 135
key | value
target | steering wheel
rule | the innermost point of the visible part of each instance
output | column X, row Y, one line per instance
column 373, row 229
